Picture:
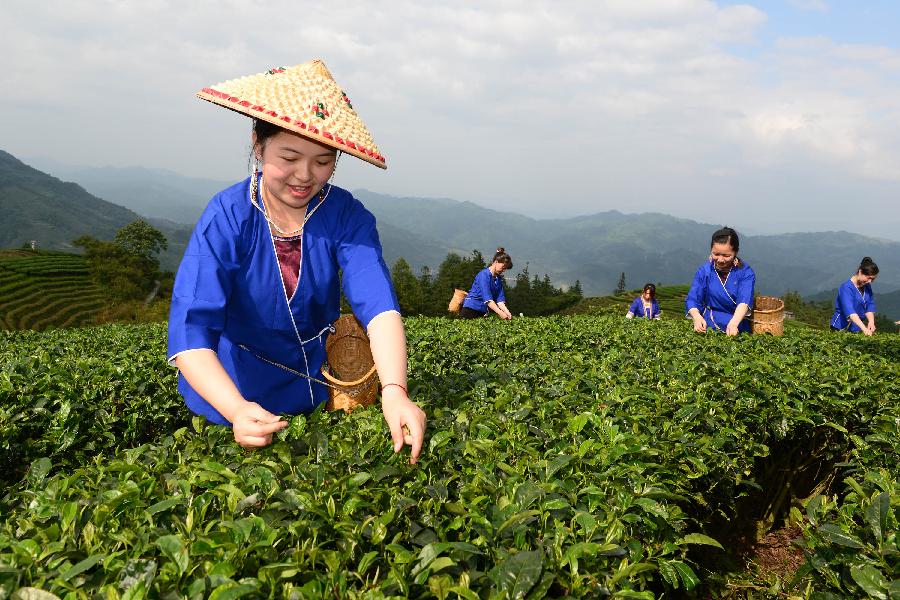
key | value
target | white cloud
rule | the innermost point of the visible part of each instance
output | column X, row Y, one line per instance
column 591, row 104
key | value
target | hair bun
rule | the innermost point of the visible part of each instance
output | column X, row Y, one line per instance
column 501, row 249
column 867, row 259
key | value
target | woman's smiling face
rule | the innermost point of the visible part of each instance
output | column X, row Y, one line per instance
column 723, row 255
column 294, row 168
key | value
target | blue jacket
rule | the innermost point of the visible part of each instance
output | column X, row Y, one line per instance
column 851, row 300
column 485, row 288
column 228, row 292
column 637, row 309
column 717, row 301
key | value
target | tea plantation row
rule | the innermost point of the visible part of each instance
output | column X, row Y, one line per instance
column 41, row 289
column 565, row 457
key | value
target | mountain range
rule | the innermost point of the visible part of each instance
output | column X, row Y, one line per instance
column 594, row 249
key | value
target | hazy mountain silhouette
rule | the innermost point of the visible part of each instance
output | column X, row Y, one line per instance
column 594, row 249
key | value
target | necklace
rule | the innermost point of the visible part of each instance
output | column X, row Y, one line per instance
column 256, row 180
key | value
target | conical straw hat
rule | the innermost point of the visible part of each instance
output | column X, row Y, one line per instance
column 304, row 99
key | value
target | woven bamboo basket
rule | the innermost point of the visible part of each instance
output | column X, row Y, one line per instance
column 768, row 315
column 457, row 300
column 350, row 367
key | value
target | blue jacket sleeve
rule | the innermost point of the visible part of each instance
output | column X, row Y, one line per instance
column 745, row 287
column 483, row 285
column 845, row 301
column 366, row 279
column 696, row 297
column 870, row 300
column 636, row 307
column 203, row 282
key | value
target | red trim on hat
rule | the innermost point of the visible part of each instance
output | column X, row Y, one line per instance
column 298, row 123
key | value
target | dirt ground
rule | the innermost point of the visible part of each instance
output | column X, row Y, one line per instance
column 775, row 554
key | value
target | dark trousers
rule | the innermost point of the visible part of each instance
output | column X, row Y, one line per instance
column 468, row 313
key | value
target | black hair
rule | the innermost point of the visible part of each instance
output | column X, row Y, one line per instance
column 502, row 257
column 726, row 235
column 264, row 130
column 867, row 267
column 652, row 288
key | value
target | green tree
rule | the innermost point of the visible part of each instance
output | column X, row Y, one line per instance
column 142, row 239
column 121, row 276
column 454, row 272
column 126, row 268
column 576, row 289
column 409, row 291
column 620, row 288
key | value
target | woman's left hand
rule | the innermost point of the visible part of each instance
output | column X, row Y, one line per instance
column 731, row 329
column 405, row 420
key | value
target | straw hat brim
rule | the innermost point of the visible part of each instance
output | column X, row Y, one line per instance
column 263, row 97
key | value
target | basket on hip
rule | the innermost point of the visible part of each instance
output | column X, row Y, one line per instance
column 457, row 300
column 768, row 315
column 350, row 370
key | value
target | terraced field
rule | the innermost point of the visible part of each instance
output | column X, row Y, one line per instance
column 40, row 290
column 671, row 303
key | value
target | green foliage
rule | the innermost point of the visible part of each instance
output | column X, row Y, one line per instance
column 539, row 297
column 409, row 291
column 620, row 287
column 565, row 457
column 41, row 289
column 141, row 239
column 127, row 268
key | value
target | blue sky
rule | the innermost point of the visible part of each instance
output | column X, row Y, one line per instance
column 714, row 111
column 846, row 21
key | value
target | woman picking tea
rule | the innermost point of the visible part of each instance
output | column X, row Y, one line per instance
column 258, row 288
column 487, row 292
column 855, row 300
column 645, row 306
column 721, row 294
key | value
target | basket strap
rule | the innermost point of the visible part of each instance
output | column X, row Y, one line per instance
column 294, row 371
column 329, row 329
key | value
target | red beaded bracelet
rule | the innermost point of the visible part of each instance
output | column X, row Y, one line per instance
column 397, row 384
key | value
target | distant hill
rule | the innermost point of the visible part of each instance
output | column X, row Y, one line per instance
column 37, row 206
column 154, row 193
column 594, row 249
column 648, row 247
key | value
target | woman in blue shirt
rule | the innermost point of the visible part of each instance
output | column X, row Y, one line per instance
column 854, row 298
column 258, row 287
column 645, row 306
column 721, row 294
column 487, row 290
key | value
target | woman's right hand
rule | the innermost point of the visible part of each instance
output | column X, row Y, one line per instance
column 699, row 324
column 253, row 425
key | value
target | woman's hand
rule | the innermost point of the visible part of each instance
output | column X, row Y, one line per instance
column 253, row 425
column 699, row 324
column 732, row 328
column 867, row 331
column 405, row 420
